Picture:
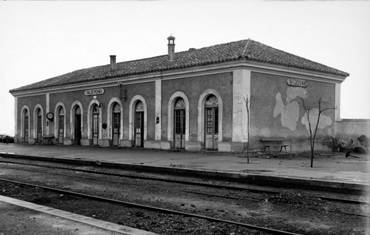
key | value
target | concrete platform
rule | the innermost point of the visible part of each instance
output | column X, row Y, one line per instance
column 329, row 171
column 21, row 217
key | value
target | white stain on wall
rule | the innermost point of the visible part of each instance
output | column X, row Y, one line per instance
column 325, row 121
column 289, row 110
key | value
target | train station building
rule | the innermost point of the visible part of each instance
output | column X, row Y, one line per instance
column 193, row 100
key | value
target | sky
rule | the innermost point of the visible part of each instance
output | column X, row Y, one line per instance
column 39, row 40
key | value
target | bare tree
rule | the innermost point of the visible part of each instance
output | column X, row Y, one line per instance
column 246, row 99
column 313, row 128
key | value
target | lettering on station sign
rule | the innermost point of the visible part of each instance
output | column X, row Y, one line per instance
column 296, row 83
column 97, row 91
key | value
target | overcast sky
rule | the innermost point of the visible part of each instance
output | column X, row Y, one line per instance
column 43, row 39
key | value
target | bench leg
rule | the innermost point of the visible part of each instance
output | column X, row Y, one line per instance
column 281, row 148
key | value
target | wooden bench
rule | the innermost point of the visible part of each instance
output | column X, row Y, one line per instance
column 269, row 142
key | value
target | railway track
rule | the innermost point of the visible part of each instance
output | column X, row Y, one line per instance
column 151, row 208
column 182, row 181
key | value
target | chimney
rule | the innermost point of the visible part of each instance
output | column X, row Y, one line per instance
column 171, row 48
column 112, row 62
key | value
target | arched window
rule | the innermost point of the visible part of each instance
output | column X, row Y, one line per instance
column 77, row 110
column 211, row 101
column 139, row 107
column 116, row 108
column 180, row 103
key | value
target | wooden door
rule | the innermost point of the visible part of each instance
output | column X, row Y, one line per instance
column 60, row 129
column 116, row 128
column 179, row 129
column 95, row 128
column 25, row 128
column 139, row 129
column 39, row 128
column 211, row 128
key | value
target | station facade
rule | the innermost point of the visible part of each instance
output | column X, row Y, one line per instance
column 216, row 98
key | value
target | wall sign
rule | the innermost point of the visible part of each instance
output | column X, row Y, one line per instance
column 296, row 83
column 97, row 91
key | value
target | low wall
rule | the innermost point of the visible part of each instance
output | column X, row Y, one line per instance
column 350, row 134
column 352, row 128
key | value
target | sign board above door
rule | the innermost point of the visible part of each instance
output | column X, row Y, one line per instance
column 96, row 91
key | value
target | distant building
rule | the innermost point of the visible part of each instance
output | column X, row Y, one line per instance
column 189, row 100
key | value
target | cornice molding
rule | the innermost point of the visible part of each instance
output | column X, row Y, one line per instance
column 188, row 72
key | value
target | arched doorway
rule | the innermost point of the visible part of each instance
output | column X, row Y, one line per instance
column 25, row 125
column 77, row 125
column 211, row 122
column 95, row 124
column 179, row 123
column 60, row 128
column 38, row 126
column 116, row 123
column 139, row 124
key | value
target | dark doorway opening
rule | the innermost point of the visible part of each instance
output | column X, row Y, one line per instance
column 77, row 127
column 139, row 124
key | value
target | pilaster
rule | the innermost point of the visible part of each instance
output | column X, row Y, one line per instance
column 47, row 103
column 337, row 102
column 241, row 91
column 16, row 116
column 158, row 109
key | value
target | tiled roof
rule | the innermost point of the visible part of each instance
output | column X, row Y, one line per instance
column 239, row 50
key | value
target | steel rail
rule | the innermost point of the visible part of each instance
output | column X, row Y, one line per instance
column 152, row 208
column 218, row 186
